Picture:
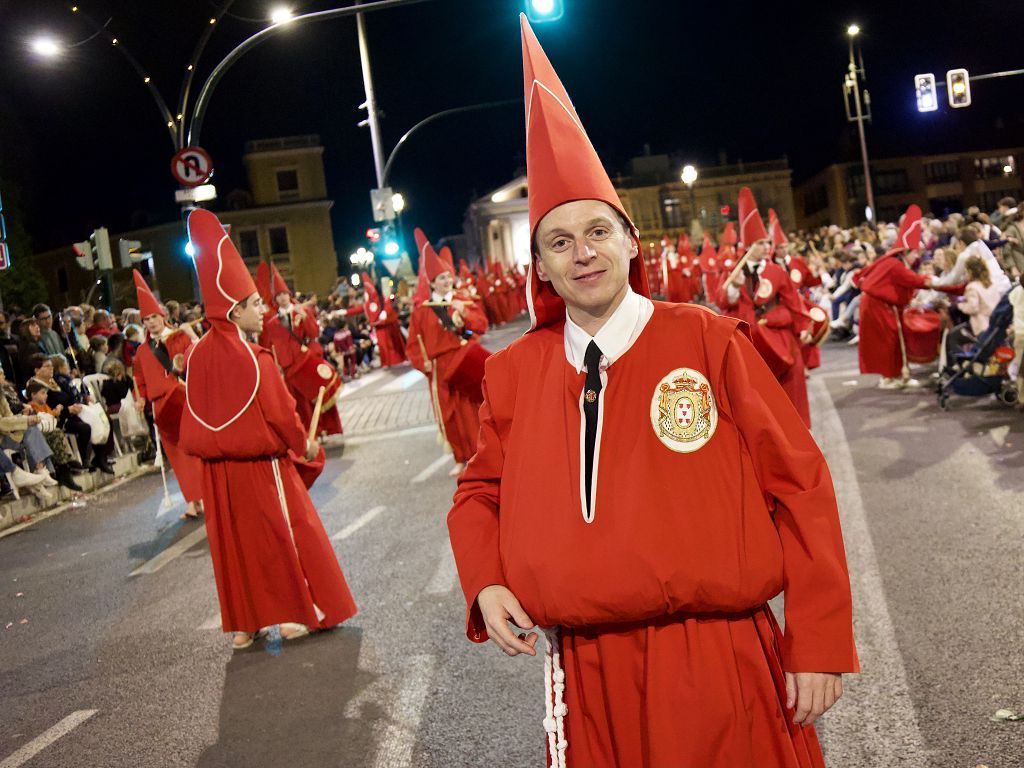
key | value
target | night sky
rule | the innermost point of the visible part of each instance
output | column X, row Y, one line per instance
column 83, row 143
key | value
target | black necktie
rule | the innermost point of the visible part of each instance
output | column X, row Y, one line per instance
column 591, row 395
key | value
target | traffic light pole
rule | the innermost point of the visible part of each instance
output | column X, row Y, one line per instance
column 372, row 116
column 852, row 83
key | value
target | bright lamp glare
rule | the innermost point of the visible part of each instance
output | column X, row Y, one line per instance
column 190, row 250
column 1007, row 169
column 281, row 15
column 391, row 248
column 689, row 174
column 543, row 7
column 398, row 202
column 853, row 30
column 46, row 46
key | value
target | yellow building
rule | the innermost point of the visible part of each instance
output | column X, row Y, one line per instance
column 283, row 217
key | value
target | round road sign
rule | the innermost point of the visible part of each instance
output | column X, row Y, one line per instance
column 191, row 166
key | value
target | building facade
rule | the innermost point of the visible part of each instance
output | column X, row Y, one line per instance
column 283, row 217
column 498, row 229
column 940, row 184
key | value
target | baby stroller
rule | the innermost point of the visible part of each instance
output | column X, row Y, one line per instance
column 981, row 367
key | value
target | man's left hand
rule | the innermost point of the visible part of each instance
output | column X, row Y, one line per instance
column 812, row 694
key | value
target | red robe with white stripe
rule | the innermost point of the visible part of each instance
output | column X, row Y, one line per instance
column 671, row 655
column 887, row 286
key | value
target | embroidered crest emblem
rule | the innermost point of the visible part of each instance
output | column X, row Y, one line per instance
column 765, row 288
column 711, row 262
column 795, row 276
column 683, row 411
column 591, row 395
column 324, row 371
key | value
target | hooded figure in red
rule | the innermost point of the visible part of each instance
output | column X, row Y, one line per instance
column 382, row 316
column 444, row 344
column 887, row 285
column 160, row 380
column 272, row 560
column 641, row 487
column 291, row 333
column 803, row 279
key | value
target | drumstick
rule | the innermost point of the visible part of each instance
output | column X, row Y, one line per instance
column 273, row 350
column 423, row 349
column 315, row 421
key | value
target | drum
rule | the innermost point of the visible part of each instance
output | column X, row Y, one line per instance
column 774, row 347
column 922, row 333
column 468, row 374
column 818, row 325
column 311, row 374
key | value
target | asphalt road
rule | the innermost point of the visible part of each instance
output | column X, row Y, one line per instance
column 114, row 669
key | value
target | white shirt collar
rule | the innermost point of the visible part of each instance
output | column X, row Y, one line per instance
column 616, row 335
column 435, row 296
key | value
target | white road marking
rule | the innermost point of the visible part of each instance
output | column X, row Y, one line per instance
column 434, row 466
column 399, row 736
column 211, row 623
column 356, row 524
column 404, row 382
column 41, row 742
column 446, row 575
column 852, row 735
column 175, row 550
column 373, row 438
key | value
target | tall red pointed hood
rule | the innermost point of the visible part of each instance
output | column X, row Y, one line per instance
column 562, row 165
column 224, row 282
column 464, row 272
column 430, row 263
column 728, row 235
column 751, row 224
column 447, row 259
column 278, row 285
column 909, row 236
column 683, row 244
column 148, row 305
column 372, row 303
column 778, row 234
column 263, row 283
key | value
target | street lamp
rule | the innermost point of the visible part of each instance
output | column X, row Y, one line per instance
column 852, row 86
column 688, row 176
column 853, row 30
column 47, row 47
column 398, row 202
column 281, row 15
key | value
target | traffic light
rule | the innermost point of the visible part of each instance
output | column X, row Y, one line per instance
column 101, row 247
column 390, row 242
column 130, row 251
column 373, row 234
column 924, row 86
column 83, row 254
column 958, row 83
column 540, row 11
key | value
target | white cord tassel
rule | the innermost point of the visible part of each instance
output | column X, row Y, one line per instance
column 555, row 708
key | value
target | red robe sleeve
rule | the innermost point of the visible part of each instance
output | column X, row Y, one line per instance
column 412, row 343
column 475, row 318
column 140, row 379
column 278, row 406
column 473, row 519
column 905, row 278
column 796, row 481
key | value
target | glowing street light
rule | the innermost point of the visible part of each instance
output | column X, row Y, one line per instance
column 281, row 15
column 398, row 202
column 47, row 47
column 689, row 175
column 853, row 30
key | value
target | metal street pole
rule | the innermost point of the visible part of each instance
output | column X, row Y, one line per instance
column 372, row 117
column 853, row 84
column 693, row 203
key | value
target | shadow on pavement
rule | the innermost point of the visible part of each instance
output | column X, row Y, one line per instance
column 289, row 709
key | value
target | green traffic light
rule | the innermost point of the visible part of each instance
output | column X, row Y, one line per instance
column 540, row 11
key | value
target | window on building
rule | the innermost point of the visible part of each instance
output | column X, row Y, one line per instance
column 855, row 183
column 249, row 244
column 992, row 167
column 815, row 200
column 943, row 206
column 942, row 171
column 287, row 184
column 278, row 240
column 987, row 201
column 892, row 182
column 673, row 212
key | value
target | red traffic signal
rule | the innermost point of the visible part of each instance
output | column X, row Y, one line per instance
column 373, row 234
column 725, row 210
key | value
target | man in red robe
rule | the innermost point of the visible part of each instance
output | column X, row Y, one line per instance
column 887, row 285
column 382, row 317
column 159, row 372
column 444, row 344
column 762, row 295
column 643, row 485
column 803, row 279
column 291, row 334
column 272, row 560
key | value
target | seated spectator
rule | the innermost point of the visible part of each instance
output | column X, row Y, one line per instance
column 98, row 348
column 980, row 295
column 103, row 325
column 19, row 431
column 117, row 387
column 49, row 339
column 132, row 340
column 55, row 437
column 28, row 346
column 61, row 391
column 115, row 352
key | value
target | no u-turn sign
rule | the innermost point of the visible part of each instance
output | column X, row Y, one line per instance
column 191, row 166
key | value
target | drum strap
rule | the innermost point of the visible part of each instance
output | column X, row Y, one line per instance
column 446, row 321
column 160, row 352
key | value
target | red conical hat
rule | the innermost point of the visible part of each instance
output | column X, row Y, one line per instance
column 278, row 285
column 728, row 234
column 751, row 226
column 561, row 166
column 909, row 236
column 447, row 259
column 263, row 283
column 778, row 234
column 148, row 305
column 464, row 272
column 683, row 243
column 372, row 304
column 430, row 262
column 422, row 293
column 212, row 399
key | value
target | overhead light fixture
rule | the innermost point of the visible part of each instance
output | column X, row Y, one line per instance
column 281, row 15
column 853, row 30
column 46, row 47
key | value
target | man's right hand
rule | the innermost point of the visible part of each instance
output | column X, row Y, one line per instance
column 140, row 405
column 739, row 279
column 499, row 606
column 33, row 420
